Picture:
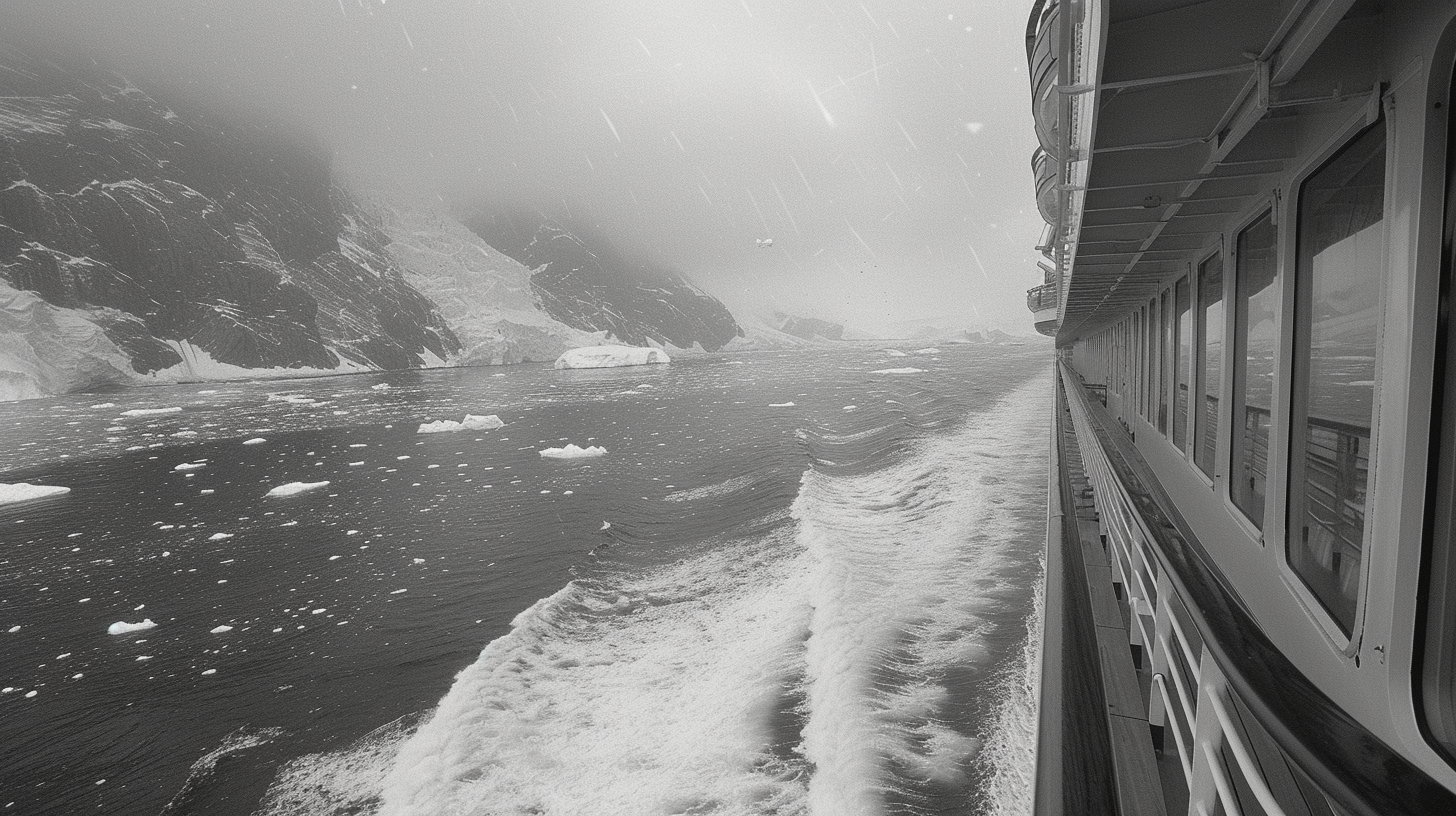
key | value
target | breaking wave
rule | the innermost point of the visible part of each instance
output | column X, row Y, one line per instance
column 869, row 649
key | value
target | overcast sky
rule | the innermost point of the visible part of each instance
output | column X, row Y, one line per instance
column 883, row 145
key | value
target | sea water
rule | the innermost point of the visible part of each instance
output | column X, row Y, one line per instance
column 787, row 583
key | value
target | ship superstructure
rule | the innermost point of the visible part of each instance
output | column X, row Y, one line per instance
column 1251, row 600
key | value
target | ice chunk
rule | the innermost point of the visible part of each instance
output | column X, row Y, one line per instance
column 24, row 491
column 217, row 630
column 610, row 357
column 149, row 411
column 122, row 627
column 12, row 630
column 209, row 671
column 471, row 422
column 219, row 536
column 896, row 353
column 781, row 405
column 379, row 387
column 927, row 351
column 899, row 371
column 573, row 452
column 296, row 487
column 257, row 440
column 190, row 466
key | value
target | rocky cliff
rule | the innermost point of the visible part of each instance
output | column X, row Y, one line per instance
column 146, row 242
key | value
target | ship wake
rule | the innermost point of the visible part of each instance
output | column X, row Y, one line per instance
column 851, row 657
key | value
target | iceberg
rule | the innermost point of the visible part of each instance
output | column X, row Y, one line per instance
column 573, row 452
column 610, row 357
column 149, row 411
column 190, row 466
column 471, row 422
column 122, row 627
column 24, row 491
column 293, row 488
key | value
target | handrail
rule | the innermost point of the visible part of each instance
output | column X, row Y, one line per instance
column 1351, row 765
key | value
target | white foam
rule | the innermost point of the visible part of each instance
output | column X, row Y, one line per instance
column 294, row 488
column 24, row 491
column 471, row 423
column 122, row 627
column 571, row 451
column 379, row 387
column 658, row 693
column 149, row 411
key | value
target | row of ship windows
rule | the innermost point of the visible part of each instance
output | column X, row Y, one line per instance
column 1204, row 350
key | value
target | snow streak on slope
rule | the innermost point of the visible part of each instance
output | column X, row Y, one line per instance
column 850, row 659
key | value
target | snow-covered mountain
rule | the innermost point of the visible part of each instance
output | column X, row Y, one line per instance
column 140, row 244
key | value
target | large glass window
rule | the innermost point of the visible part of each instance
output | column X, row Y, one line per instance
column 1182, row 361
column 1165, row 358
column 1337, row 292
column 1256, row 339
column 1150, row 364
column 1210, row 360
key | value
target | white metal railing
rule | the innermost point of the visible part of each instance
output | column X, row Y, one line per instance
column 1194, row 709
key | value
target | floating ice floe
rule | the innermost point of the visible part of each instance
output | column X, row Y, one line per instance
column 104, row 405
column 217, row 630
column 257, row 440
column 379, row 387
column 296, row 487
column 611, row 357
column 190, row 466
column 489, row 422
column 931, row 350
column 781, row 405
column 899, row 371
column 122, row 627
column 219, row 536
column 896, row 353
column 24, row 491
column 176, row 409
column 573, row 452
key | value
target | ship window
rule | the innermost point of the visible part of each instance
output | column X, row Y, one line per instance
column 1165, row 359
column 1183, row 332
column 1336, row 305
column 1436, row 675
column 1210, row 360
column 1150, row 365
column 1256, row 330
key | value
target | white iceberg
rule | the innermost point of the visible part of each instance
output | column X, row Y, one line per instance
column 573, row 452
column 257, row 440
column 471, row 422
column 217, row 630
column 899, row 371
column 611, row 357
column 150, row 411
column 781, row 405
column 24, row 491
column 122, row 627
column 293, row 488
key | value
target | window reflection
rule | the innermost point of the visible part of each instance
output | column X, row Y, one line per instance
column 1337, row 296
column 1210, row 360
column 1256, row 339
column 1183, row 364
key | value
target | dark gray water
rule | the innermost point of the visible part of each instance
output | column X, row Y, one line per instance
column 742, row 607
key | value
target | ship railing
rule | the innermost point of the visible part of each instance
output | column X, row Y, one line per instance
column 1252, row 734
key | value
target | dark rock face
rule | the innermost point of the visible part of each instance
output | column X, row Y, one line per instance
column 809, row 328
column 584, row 281
column 164, row 227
